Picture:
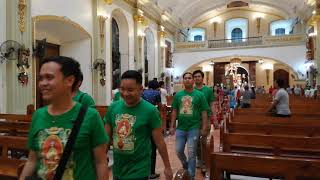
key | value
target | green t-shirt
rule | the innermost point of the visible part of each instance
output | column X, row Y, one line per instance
column 84, row 99
column 131, row 132
column 116, row 97
column 49, row 134
column 208, row 93
column 189, row 106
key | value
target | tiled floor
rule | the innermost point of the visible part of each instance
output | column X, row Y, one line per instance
column 176, row 165
column 174, row 161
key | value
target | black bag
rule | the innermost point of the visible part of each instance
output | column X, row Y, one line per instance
column 68, row 149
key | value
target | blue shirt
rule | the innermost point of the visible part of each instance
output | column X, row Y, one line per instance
column 152, row 96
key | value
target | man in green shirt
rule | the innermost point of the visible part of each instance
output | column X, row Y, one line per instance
column 198, row 76
column 52, row 124
column 81, row 97
column 130, row 123
column 190, row 107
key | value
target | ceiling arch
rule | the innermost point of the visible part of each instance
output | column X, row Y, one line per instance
column 189, row 11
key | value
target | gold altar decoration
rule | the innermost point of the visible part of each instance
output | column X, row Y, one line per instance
column 22, row 14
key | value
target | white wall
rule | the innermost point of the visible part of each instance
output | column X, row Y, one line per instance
column 78, row 11
column 294, row 56
column 80, row 51
column 2, row 66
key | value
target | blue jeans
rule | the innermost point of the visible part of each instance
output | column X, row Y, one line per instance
column 191, row 138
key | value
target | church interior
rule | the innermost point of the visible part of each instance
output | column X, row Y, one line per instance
column 236, row 43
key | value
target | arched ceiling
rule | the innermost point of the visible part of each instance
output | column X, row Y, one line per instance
column 189, row 12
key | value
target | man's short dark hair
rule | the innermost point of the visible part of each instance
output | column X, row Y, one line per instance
column 153, row 84
column 184, row 74
column 161, row 83
column 132, row 74
column 280, row 83
column 198, row 71
column 69, row 67
column 81, row 76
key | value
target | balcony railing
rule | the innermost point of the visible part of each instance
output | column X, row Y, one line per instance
column 250, row 41
column 261, row 41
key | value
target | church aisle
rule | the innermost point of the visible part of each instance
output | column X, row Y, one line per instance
column 175, row 162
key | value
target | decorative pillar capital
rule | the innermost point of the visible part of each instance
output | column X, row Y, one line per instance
column 22, row 14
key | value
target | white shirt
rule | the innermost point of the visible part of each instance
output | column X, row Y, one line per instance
column 163, row 94
column 282, row 97
column 297, row 91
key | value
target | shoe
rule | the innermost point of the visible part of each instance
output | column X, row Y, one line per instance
column 154, row 176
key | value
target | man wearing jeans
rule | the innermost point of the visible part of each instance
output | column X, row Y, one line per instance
column 190, row 107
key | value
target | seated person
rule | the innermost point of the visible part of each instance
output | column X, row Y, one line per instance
column 280, row 105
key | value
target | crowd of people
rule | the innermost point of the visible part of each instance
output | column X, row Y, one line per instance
column 132, row 124
column 69, row 140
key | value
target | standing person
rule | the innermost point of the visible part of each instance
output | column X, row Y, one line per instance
column 163, row 93
column 253, row 93
column 152, row 95
column 271, row 90
column 130, row 123
column 198, row 77
column 163, row 107
column 246, row 97
column 52, row 124
column 190, row 107
column 238, row 96
column 297, row 90
column 81, row 97
column 280, row 105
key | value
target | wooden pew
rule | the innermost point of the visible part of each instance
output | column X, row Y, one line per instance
column 16, row 117
column 275, row 120
column 274, row 129
column 264, row 166
column 13, row 128
column 9, row 166
column 293, row 146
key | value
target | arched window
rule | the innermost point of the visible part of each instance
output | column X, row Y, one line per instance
column 197, row 38
column 116, row 71
column 281, row 27
column 236, row 35
column 280, row 31
column 196, row 34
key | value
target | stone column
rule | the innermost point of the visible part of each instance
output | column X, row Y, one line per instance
column 3, row 102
